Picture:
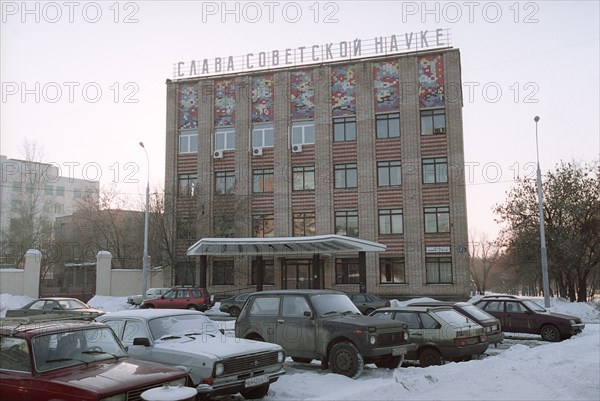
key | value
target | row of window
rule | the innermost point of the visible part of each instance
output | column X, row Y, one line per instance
column 392, row 270
column 433, row 122
column 389, row 174
column 17, row 186
column 49, row 207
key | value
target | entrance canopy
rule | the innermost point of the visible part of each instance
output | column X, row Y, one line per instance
column 283, row 246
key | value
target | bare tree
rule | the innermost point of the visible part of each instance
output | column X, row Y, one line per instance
column 484, row 257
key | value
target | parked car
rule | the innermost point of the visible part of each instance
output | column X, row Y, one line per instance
column 367, row 303
column 491, row 325
column 525, row 316
column 43, row 306
column 181, row 298
column 233, row 305
column 151, row 293
column 440, row 333
column 72, row 360
column 217, row 364
column 323, row 325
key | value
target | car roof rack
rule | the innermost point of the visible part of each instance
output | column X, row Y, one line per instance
column 49, row 317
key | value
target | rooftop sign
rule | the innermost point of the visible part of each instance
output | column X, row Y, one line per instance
column 314, row 54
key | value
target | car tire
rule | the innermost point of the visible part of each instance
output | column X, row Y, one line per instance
column 234, row 311
column 344, row 359
column 391, row 362
column 301, row 360
column 369, row 311
column 429, row 357
column 255, row 393
column 193, row 307
column 550, row 333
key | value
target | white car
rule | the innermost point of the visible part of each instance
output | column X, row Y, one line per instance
column 150, row 294
column 217, row 364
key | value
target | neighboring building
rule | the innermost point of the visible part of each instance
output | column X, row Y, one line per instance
column 369, row 148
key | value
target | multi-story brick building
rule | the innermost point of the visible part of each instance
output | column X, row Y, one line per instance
column 369, row 148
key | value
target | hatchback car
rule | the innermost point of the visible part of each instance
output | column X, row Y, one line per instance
column 44, row 306
column 181, row 298
column 525, row 316
column 491, row 325
column 233, row 305
column 440, row 333
column 367, row 303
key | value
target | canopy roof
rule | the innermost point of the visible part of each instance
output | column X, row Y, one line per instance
column 282, row 246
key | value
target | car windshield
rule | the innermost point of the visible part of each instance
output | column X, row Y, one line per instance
column 477, row 313
column 331, row 304
column 59, row 350
column 453, row 318
column 533, row 306
column 180, row 325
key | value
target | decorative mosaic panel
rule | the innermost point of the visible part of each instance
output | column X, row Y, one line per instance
column 343, row 91
column 302, row 95
column 188, row 106
column 224, row 102
column 431, row 81
column 262, row 99
column 386, row 86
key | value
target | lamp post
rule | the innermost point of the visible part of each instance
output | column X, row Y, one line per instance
column 146, row 223
column 544, row 254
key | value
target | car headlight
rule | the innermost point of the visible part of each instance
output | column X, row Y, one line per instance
column 177, row 383
column 219, row 369
column 572, row 322
column 405, row 336
column 280, row 357
column 372, row 340
column 118, row 397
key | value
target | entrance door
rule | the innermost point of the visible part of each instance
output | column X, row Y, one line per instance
column 297, row 274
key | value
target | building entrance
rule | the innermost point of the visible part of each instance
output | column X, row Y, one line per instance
column 297, row 274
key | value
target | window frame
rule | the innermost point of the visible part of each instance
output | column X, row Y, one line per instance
column 261, row 182
column 437, row 211
column 434, row 123
column 436, row 262
column 263, row 223
column 264, row 130
column 348, row 135
column 438, row 164
column 347, row 271
column 303, row 172
column 268, row 272
column 190, row 180
column 389, row 166
column 345, row 216
column 385, row 119
column 225, row 132
column 305, row 221
column 187, row 136
column 303, row 125
column 389, row 215
column 345, row 169
column 392, row 262
column 226, row 268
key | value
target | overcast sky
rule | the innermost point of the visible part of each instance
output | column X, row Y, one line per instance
column 86, row 80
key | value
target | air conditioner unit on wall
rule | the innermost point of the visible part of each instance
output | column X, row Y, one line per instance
column 296, row 148
column 218, row 154
column 439, row 130
column 257, row 151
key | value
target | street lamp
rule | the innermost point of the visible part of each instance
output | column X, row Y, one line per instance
column 544, row 254
column 146, row 223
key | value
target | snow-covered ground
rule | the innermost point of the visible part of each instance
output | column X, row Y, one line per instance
column 523, row 368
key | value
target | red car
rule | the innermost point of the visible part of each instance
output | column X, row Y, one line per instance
column 73, row 360
column 182, row 298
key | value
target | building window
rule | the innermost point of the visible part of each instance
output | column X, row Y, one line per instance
column 346, row 175
column 263, row 136
column 439, row 270
column 433, row 122
column 389, row 173
column 262, row 180
column 346, row 223
column 303, row 178
column 224, row 182
column 435, row 170
column 187, row 184
column 390, row 221
column 225, row 138
column 387, row 125
column 437, row 220
column 346, row 271
column 49, row 190
column 392, row 271
column 188, row 141
column 59, row 208
column 223, row 226
column 186, row 228
column 268, row 272
column 344, row 129
column 263, row 226
column 60, row 191
column 223, row 272
column 303, row 133
column 304, row 224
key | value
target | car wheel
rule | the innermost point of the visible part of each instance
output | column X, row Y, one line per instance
column 391, row 363
column 344, row 359
column 301, row 360
column 429, row 357
column 193, row 307
column 255, row 393
column 550, row 333
column 234, row 311
column 369, row 311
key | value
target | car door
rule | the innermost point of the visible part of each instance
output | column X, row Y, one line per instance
column 296, row 327
column 360, row 300
column 129, row 329
column 518, row 317
column 496, row 309
column 414, row 325
column 263, row 313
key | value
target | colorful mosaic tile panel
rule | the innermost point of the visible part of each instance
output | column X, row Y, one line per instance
column 262, row 99
column 224, row 102
column 431, row 81
column 343, row 91
column 386, row 86
column 302, row 95
column 188, row 106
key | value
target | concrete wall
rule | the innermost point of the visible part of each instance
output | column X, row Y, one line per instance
column 24, row 281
